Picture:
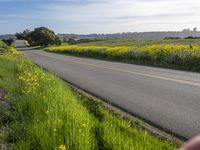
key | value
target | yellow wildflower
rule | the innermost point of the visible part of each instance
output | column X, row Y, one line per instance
column 47, row 112
column 83, row 125
column 62, row 147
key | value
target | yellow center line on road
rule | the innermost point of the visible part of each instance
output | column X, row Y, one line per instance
column 129, row 72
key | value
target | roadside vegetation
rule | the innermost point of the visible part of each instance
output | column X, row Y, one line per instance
column 80, row 41
column 26, row 43
column 38, row 111
column 184, row 57
column 8, row 41
column 40, row 36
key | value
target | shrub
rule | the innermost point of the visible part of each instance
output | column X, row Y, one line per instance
column 41, row 36
column 8, row 41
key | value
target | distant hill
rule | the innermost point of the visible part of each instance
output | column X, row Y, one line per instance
column 7, row 36
column 132, row 36
column 124, row 36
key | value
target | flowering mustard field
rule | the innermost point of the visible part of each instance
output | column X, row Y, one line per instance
column 46, row 114
column 184, row 57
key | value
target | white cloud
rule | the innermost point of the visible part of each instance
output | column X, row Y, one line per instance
column 119, row 13
column 115, row 15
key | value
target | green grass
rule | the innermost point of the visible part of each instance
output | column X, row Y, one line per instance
column 139, row 43
column 46, row 114
column 3, row 47
column 184, row 57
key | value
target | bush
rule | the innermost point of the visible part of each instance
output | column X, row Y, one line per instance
column 8, row 41
column 41, row 36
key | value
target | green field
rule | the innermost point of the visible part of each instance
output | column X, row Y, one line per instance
column 175, row 54
column 139, row 43
column 41, row 112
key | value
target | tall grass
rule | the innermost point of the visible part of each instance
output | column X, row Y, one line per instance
column 3, row 47
column 46, row 114
column 171, row 56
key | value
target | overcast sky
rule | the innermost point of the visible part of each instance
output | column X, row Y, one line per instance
column 99, row 16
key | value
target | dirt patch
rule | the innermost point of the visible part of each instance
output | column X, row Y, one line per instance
column 3, row 147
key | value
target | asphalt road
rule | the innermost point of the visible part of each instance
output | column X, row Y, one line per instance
column 169, row 99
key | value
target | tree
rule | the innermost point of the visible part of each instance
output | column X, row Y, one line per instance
column 171, row 38
column 40, row 36
column 44, row 37
column 186, row 30
column 195, row 29
column 72, row 41
column 58, row 41
column 25, row 35
column 8, row 41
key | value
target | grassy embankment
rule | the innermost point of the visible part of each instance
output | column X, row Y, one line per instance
column 184, row 57
column 46, row 114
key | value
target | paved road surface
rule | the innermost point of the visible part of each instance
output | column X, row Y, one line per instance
column 167, row 98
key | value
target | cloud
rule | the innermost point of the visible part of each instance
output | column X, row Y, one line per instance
column 106, row 15
column 118, row 9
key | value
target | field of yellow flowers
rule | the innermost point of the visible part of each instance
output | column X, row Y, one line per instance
column 46, row 114
column 175, row 56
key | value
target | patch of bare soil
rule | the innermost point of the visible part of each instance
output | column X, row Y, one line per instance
column 3, row 147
